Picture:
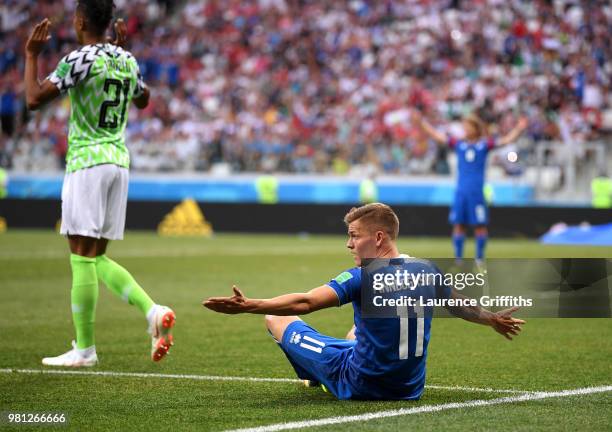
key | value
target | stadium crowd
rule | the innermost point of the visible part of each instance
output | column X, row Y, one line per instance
column 312, row 86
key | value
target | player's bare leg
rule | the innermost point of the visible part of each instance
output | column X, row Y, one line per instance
column 351, row 334
column 101, row 245
column 83, row 246
column 277, row 325
column 458, row 241
column 481, row 234
column 481, row 230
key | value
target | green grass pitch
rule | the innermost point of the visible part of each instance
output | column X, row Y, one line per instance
column 550, row 355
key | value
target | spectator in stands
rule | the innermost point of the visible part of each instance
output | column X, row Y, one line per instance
column 294, row 75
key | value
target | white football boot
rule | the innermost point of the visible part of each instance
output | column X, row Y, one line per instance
column 74, row 358
column 160, row 328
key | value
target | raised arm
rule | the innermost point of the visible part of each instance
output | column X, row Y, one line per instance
column 431, row 132
column 502, row 321
column 120, row 34
column 142, row 100
column 514, row 133
column 37, row 93
column 287, row 304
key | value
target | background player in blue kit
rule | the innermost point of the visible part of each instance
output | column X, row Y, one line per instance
column 469, row 206
column 382, row 358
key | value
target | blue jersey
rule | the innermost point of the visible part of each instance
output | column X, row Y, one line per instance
column 388, row 359
column 471, row 163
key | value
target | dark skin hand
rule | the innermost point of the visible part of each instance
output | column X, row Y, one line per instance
column 38, row 38
column 37, row 93
column 120, row 34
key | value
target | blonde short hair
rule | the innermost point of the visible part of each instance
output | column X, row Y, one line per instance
column 377, row 216
column 480, row 125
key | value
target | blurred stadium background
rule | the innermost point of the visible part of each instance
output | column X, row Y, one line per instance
column 308, row 102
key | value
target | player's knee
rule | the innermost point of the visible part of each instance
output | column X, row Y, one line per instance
column 481, row 230
column 275, row 326
column 101, row 246
column 83, row 246
column 458, row 229
column 270, row 320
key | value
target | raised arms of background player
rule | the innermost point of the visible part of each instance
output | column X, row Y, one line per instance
column 442, row 138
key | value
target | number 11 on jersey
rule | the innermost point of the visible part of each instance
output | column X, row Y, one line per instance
column 404, row 331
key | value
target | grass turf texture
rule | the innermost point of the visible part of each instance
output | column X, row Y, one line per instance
column 550, row 355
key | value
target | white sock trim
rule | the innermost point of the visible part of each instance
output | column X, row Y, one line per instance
column 86, row 352
column 151, row 312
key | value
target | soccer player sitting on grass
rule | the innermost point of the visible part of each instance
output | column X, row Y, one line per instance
column 101, row 79
column 469, row 205
column 382, row 358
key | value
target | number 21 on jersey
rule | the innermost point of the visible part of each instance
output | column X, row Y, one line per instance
column 120, row 89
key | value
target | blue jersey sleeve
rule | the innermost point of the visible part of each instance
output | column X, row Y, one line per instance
column 347, row 285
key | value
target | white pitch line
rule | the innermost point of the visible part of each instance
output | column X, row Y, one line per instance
column 146, row 375
column 155, row 253
column 424, row 409
column 216, row 378
column 477, row 389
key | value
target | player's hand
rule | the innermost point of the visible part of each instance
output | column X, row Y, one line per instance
column 235, row 304
column 120, row 34
column 38, row 38
column 523, row 123
column 504, row 324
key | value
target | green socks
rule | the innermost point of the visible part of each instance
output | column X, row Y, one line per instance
column 121, row 282
column 84, row 296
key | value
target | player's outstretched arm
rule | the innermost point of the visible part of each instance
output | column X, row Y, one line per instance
column 284, row 305
column 502, row 321
column 37, row 94
column 431, row 132
column 511, row 136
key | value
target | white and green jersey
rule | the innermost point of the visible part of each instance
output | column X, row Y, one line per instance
column 101, row 80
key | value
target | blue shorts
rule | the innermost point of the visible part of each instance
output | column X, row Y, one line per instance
column 469, row 208
column 318, row 357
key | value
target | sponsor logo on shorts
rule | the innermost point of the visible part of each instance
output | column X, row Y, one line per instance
column 295, row 338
